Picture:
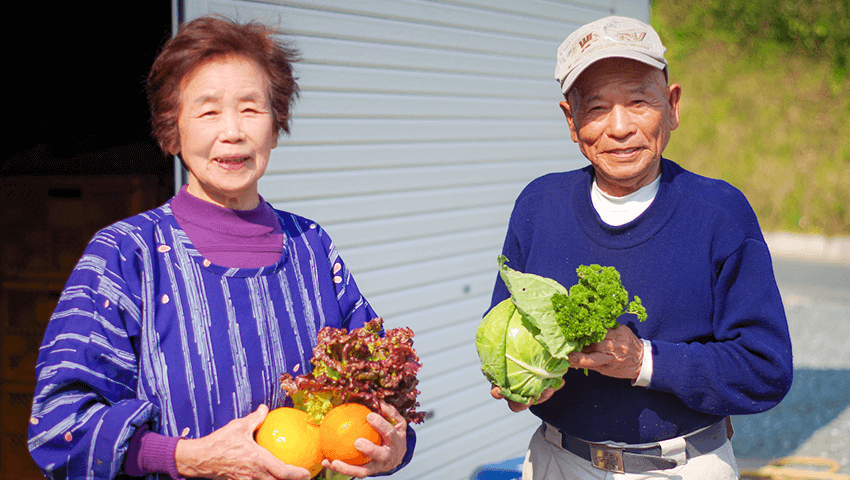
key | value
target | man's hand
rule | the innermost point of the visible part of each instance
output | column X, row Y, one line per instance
column 496, row 392
column 618, row 355
column 384, row 457
column 231, row 453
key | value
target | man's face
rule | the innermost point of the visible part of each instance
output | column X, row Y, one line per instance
column 621, row 113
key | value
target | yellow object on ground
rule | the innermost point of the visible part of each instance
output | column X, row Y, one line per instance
column 794, row 468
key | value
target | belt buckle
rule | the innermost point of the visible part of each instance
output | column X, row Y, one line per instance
column 606, row 458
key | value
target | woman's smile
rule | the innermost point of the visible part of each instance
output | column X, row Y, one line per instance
column 232, row 163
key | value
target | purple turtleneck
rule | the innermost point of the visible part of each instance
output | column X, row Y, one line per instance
column 230, row 238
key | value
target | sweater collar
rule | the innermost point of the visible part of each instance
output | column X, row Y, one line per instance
column 639, row 230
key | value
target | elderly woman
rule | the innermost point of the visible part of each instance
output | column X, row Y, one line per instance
column 166, row 347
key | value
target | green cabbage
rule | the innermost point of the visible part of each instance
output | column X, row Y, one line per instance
column 512, row 359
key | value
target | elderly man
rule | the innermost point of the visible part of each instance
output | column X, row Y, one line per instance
column 657, row 396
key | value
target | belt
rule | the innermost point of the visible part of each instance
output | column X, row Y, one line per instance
column 623, row 458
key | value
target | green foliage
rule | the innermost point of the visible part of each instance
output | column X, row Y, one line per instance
column 762, row 109
column 814, row 28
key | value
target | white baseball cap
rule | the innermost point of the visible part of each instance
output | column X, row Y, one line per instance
column 607, row 38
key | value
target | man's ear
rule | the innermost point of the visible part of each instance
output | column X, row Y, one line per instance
column 674, row 94
column 568, row 113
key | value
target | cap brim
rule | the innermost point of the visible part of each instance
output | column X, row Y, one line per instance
column 601, row 55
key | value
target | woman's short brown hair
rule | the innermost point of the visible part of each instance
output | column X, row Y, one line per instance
column 208, row 38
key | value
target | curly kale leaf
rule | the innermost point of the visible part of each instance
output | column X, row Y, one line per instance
column 593, row 305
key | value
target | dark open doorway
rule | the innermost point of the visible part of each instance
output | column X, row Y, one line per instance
column 81, row 157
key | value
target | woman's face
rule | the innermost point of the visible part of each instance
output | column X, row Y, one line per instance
column 226, row 131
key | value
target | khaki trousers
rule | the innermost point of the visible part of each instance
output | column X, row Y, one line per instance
column 545, row 461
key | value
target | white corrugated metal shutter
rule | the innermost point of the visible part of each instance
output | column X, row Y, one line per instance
column 419, row 123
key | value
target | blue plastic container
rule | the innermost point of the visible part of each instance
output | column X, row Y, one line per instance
column 510, row 469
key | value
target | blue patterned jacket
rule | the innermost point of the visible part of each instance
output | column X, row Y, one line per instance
column 147, row 331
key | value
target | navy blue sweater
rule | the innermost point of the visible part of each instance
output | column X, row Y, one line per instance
column 698, row 261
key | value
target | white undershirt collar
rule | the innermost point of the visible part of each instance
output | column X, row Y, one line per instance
column 616, row 211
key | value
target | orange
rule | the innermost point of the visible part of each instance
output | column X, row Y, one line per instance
column 341, row 427
column 288, row 434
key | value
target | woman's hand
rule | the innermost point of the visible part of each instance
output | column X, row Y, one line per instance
column 231, row 453
column 385, row 457
column 496, row 393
